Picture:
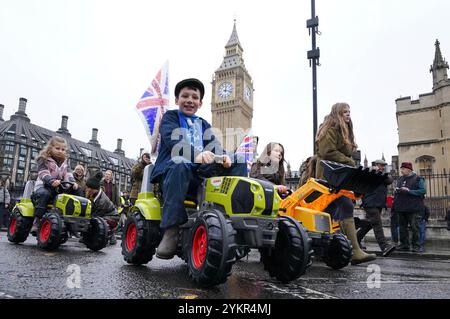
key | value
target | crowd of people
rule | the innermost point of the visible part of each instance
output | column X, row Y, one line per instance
column 179, row 177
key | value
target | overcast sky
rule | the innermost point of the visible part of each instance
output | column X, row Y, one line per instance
column 91, row 60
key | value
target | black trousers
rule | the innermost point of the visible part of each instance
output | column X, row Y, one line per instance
column 373, row 215
column 44, row 196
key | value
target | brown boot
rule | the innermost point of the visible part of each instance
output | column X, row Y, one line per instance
column 168, row 245
column 359, row 256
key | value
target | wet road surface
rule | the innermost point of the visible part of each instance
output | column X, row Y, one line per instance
column 28, row 272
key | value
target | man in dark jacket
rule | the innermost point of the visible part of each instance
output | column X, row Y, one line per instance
column 373, row 204
column 408, row 203
column 188, row 147
column 102, row 206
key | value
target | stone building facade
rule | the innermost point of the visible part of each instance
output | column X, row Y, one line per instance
column 21, row 141
column 424, row 124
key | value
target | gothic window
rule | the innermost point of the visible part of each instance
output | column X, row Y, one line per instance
column 425, row 164
column 34, row 153
column 9, row 147
column 19, row 177
column 23, row 150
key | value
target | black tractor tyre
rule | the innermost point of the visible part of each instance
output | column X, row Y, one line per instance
column 291, row 256
column 211, row 249
column 96, row 238
column 339, row 252
column 19, row 227
column 140, row 237
column 50, row 231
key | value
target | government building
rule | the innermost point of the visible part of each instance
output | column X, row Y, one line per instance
column 424, row 124
column 232, row 95
column 21, row 141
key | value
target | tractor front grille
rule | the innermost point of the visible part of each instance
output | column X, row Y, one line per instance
column 226, row 183
column 322, row 223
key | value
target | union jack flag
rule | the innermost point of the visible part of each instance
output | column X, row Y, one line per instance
column 153, row 104
column 246, row 148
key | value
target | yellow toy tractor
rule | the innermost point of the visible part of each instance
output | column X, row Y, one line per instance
column 308, row 203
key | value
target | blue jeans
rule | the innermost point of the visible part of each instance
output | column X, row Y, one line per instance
column 422, row 231
column 181, row 181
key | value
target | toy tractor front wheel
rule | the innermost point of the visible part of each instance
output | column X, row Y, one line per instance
column 140, row 237
column 211, row 249
column 19, row 227
column 339, row 252
column 96, row 237
column 291, row 256
column 50, row 231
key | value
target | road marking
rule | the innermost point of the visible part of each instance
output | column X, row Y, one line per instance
column 5, row 296
column 308, row 291
column 188, row 297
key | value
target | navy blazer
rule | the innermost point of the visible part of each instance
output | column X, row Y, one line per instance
column 169, row 123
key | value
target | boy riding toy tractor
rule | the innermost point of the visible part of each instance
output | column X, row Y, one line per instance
column 230, row 212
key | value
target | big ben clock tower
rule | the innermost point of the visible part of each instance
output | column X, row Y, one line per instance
column 232, row 95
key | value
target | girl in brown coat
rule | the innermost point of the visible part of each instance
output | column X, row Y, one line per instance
column 335, row 142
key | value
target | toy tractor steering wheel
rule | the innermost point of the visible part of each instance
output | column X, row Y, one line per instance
column 65, row 186
column 287, row 194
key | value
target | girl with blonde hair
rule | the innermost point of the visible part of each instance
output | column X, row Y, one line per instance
column 52, row 170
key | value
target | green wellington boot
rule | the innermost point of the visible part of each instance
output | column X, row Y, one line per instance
column 359, row 256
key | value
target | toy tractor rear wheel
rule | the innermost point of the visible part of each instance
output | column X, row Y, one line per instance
column 211, row 249
column 96, row 237
column 50, row 231
column 19, row 227
column 339, row 252
column 291, row 256
column 140, row 237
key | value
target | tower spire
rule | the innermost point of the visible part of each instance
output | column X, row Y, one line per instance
column 439, row 68
column 233, row 51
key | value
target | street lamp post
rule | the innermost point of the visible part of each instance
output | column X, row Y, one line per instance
column 313, row 57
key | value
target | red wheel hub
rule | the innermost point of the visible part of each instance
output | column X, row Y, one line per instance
column 12, row 226
column 199, row 246
column 44, row 234
column 131, row 237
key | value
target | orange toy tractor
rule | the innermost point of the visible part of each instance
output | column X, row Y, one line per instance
column 308, row 203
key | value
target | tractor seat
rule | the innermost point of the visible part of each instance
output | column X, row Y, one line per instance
column 149, row 187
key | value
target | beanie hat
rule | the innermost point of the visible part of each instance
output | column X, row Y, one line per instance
column 407, row 165
column 94, row 181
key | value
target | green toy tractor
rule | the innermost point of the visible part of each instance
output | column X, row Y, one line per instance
column 231, row 212
column 68, row 213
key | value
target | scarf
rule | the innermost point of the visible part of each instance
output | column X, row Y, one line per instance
column 193, row 130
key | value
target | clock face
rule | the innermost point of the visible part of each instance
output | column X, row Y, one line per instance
column 225, row 90
column 247, row 93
